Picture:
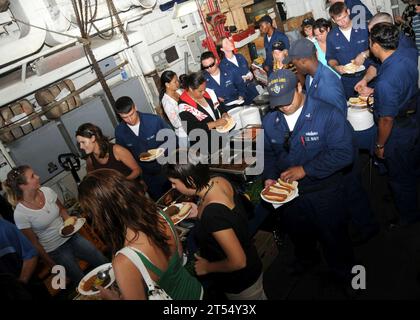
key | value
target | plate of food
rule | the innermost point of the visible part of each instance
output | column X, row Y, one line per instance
column 351, row 68
column 360, row 101
column 71, row 226
column 280, row 193
column 228, row 126
column 178, row 212
column 89, row 281
column 151, row 154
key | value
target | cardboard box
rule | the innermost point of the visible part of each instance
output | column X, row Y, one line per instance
column 227, row 5
column 296, row 22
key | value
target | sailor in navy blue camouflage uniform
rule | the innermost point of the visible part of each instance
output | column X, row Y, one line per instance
column 357, row 9
column 344, row 43
column 396, row 99
column 405, row 45
column 138, row 133
column 236, row 63
column 229, row 86
column 271, row 35
column 323, row 84
column 309, row 141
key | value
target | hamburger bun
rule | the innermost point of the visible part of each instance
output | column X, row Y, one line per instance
column 144, row 155
column 355, row 100
column 351, row 68
column 184, row 210
column 70, row 221
column 365, row 99
column 229, row 122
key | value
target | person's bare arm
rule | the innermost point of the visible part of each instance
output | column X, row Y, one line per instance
column 235, row 255
column 28, row 268
column 385, row 125
column 371, row 74
column 129, row 279
column 361, row 58
column 63, row 211
column 362, row 85
column 122, row 154
column 89, row 165
column 41, row 251
column 334, row 64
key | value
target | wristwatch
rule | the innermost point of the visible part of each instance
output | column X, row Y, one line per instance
column 379, row 146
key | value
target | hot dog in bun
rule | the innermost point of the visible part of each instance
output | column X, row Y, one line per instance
column 287, row 185
column 272, row 196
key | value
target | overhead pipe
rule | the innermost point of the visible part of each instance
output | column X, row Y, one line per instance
column 32, row 38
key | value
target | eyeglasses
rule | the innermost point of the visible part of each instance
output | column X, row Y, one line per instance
column 209, row 66
column 286, row 143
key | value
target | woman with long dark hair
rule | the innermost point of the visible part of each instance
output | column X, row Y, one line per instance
column 103, row 154
column 226, row 253
column 169, row 97
column 127, row 219
column 40, row 215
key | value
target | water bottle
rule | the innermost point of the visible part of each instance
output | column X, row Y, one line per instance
column 124, row 74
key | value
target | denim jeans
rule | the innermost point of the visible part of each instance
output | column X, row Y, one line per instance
column 76, row 248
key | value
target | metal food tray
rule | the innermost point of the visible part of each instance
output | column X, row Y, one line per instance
column 239, row 135
column 235, row 168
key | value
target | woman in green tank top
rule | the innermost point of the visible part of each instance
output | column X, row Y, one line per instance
column 125, row 218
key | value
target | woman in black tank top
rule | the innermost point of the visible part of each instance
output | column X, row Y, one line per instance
column 103, row 154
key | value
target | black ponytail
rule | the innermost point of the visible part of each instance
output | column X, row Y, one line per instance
column 165, row 78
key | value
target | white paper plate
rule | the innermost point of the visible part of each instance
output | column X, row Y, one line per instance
column 91, row 274
column 159, row 152
column 360, row 119
column 235, row 102
column 79, row 223
column 361, row 68
column 289, row 198
column 179, row 205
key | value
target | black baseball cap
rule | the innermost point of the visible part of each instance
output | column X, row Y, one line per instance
column 265, row 18
column 302, row 48
column 281, row 87
column 278, row 45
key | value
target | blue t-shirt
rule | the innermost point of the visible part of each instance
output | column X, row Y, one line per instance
column 13, row 241
column 322, row 58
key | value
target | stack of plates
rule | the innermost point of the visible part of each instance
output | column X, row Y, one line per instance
column 360, row 119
